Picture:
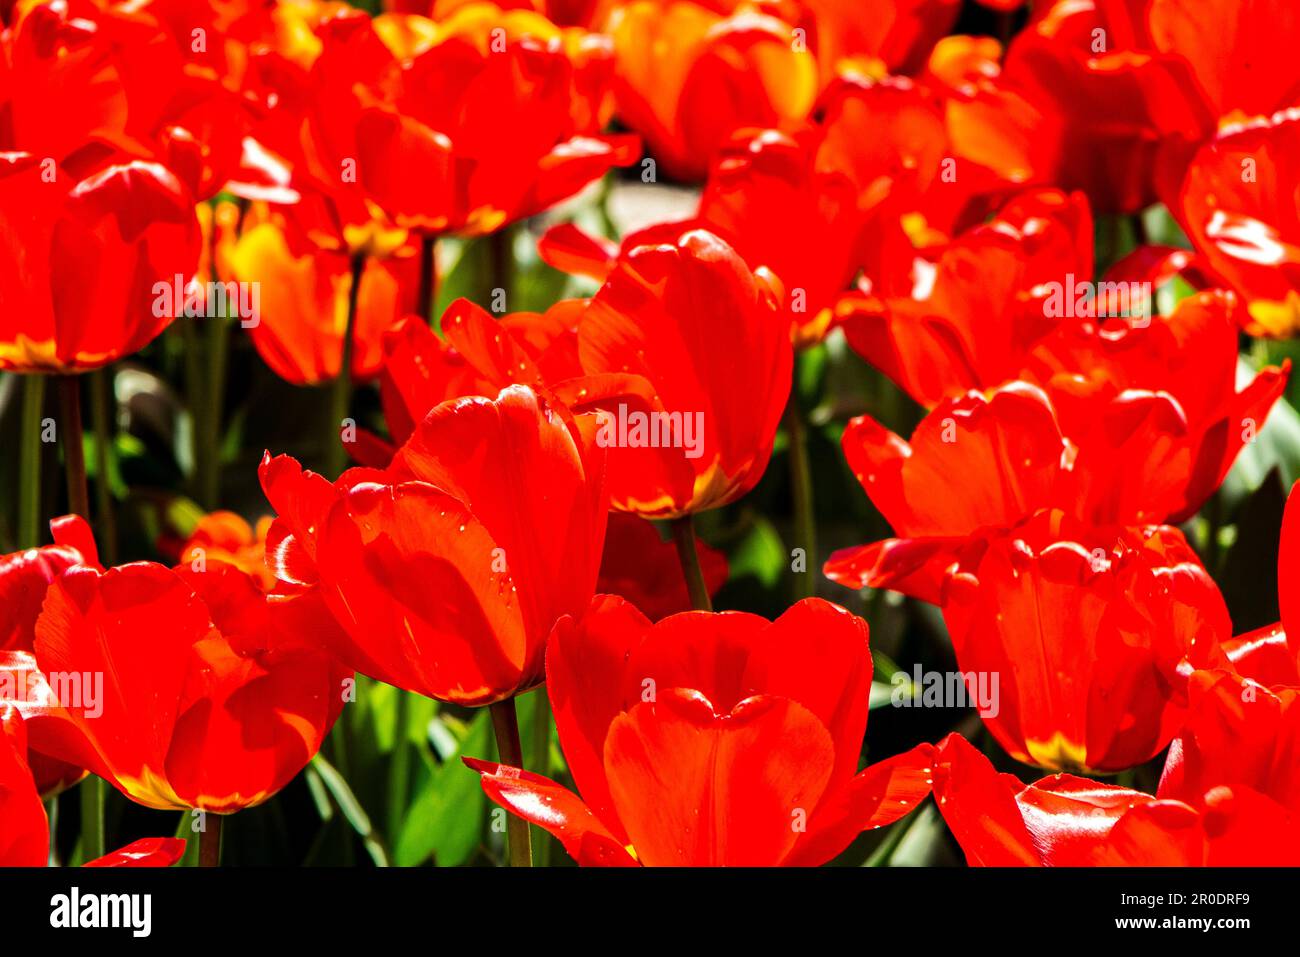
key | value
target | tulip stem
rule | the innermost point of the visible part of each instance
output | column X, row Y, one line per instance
column 74, row 448
column 428, row 289
column 801, row 489
column 684, row 538
column 216, row 330
column 92, row 818
column 541, row 760
column 336, row 454
column 29, row 472
column 505, row 722
column 501, row 263
column 101, row 401
column 210, row 841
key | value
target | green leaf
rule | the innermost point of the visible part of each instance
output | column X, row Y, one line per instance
column 761, row 553
column 351, row 809
column 446, row 817
column 1275, row 446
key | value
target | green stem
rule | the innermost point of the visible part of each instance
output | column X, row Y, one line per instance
column 336, row 454
column 684, row 538
column 52, row 816
column 428, row 288
column 29, row 468
column 506, row 725
column 92, row 818
column 501, row 254
column 217, row 344
column 101, row 402
column 210, row 841
column 399, row 770
column 541, row 762
column 74, row 445
column 197, row 398
column 801, row 488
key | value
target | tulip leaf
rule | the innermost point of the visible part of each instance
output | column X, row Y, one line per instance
column 351, row 809
column 446, row 817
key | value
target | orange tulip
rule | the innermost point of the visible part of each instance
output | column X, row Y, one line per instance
column 688, row 77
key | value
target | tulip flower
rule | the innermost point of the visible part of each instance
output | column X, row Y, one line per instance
column 24, row 579
column 1063, row 820
column 767, row 193
column 25, row 576
column 447, row 571
column 643, row 568
column 685, row 340
column 1238, row 206
column 24, row 686
column 896, row 35
column 1167, row 388
column 479, row 355
column 687, row 77
column 1114, row 432
column 461, row 126
column 90, row 265
column 1240, row 736
column 1027, row 120
column 1092, row 633
column 24, row 828
column 239, row 695
column 711, row 739
column 225, row 537
column 24, row 831
column 971, row 318
column 303, row 304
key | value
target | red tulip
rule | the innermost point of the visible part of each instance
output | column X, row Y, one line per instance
column 81, row 261
column 24, row 828
column 448, row 570
column 239, row 700
column 24, row 831
column 25, row 576
column 711, row 739
column 852, row 38
column 1074, row 105
column 1063, row 820
column 1239, row 209
column 1239, row 53
column 643, row 568
column 1159, row 392
column 480, row 355
column 972, row 316
column 1091, row 633
column 1128, row 424
column 1238, row 735
column 875, row 149
column 414, row 113
column 24, row 686
column 687, row 359
column 687, row 77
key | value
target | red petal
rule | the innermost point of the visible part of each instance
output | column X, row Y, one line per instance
column 698, row 789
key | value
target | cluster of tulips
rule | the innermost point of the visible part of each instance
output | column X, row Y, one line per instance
column 507, row 501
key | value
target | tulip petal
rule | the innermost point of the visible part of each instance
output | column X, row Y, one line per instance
column 696, row 788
